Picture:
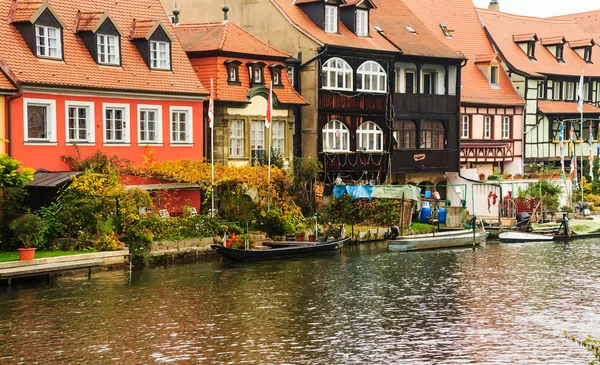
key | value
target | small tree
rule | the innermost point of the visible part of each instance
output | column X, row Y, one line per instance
column 549, row 193
column 29, row 229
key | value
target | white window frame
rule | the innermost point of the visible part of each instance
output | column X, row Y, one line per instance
column 189, row 137
column 373, row 72
column 433, row 77
column 570, row 91
column 331, row 19
column 487, row 127
column 158, row 135
column 465, row 126
column 336, row 133
column 414, row 77
column 494, row 80
column 257, row 135
column 369, row 132
column 43, row 40
column 337, row 67
column 506, row 126
column 278, row 136
column 157, row 56
column 50, row 122
column 108, row 49
column 362, row 23
column 290, row 73
column 236, row 126
column 90, row 123
column 125, row 141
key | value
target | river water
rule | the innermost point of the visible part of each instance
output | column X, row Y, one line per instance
column 499, row 304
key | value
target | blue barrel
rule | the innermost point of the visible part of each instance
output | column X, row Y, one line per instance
column 428, row 194
column 425, row 213
column 442, row 215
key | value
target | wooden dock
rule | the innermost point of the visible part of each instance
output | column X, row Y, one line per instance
column 56, row 265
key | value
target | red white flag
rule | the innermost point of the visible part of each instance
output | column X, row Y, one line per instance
column 269, row 107
column 211, row 106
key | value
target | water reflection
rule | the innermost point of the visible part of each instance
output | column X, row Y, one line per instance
column 500, row 304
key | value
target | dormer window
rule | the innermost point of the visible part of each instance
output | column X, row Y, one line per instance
column 153, row 43
column 494, row 75
column 531, row 50
column 276, row 75
column 446, row 30
column 559, row 52
column 40, row 27
column 331, row 18
column 233, row 74
column 362, row 23
column 255, row 71
column 160, row 55
column 587, row 54
column 108, row 49
column 48, row 41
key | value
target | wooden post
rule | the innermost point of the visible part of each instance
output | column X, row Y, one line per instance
column 89, row 272
column 402, row 217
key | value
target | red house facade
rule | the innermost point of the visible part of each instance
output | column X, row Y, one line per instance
column 97, row 75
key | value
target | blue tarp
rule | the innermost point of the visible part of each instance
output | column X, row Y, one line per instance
column 377, row 191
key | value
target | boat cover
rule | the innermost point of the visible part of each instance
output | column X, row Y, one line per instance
column 589, row 225
column 377, row 191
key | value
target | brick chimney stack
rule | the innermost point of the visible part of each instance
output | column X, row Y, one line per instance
column 494, row 5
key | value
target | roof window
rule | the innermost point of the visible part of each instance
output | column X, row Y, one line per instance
column 447, row 31
column 411, row 30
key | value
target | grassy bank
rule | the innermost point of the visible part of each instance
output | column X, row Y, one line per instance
column 14, row 255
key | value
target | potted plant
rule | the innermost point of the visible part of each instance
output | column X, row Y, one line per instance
column 29, row 229
column 481, row 177
column 300, row 231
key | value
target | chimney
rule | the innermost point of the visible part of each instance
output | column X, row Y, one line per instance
column 494, row 5
column 225, row 9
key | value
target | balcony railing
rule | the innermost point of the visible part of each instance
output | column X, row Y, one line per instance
column 355, row 165
column 487, row 151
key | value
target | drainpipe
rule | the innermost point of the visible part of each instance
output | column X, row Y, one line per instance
column 315, row 57
column 9, row 100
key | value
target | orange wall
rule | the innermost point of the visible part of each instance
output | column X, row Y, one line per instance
column 48, row 156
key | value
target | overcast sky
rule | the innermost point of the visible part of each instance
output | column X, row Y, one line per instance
column 543, row 8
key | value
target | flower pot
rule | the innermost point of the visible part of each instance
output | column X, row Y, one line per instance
column 312, row 237
column 299, row 237
column 26, row 253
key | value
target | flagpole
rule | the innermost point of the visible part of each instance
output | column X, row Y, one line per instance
column 212, row 149
column 580, row 107
column 581, row 178
column 268, row 121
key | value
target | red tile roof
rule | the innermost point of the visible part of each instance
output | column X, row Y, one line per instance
column 144, row 28
column 582, row 43
column 214, row 67
column 88, row 21
column 7, row 78
column 5, row 84
column 589, row 21
column 390, row 15
column 469, row 39
column 565, row 107
column 79, row 69
column 524, row 37
column 22, row 11
column 228, row 37
column 503, row 27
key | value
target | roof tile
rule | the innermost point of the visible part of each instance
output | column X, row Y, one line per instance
column 224, row 37
column 469, row 39
column 79, row 69
column 501, row 26
column 562, row 107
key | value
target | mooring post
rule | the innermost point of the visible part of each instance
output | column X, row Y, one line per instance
column 89, row 272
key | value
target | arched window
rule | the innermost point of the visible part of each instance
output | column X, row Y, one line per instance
column 371, row 77
column 432, row 135
column 369, row 137
column 337, row 74
column 336, row 137
column 405, row 135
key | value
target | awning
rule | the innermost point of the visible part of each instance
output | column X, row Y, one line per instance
column 47, row 179
column 377, row 191
column 565, row 107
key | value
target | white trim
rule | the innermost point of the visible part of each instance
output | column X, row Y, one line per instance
column 237, row 139
column 50, row 123
column 343, row 69
column 107, row 47
column 369, row 130
column 329, row 135
column 49, row 144
column 126, row 129
column 362, row 29
column 362, row 74
column 189, row 140
column 487, row 127
column 333, row 26
column 158, row 59
column 46, row 46
column 90, row 123
column 467, row 119
column 158, row 124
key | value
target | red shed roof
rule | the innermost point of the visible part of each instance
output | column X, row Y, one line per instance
column 78, row 69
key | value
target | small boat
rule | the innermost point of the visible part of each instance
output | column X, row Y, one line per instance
column 449, row 239
column 293, row 249
column 515, row 236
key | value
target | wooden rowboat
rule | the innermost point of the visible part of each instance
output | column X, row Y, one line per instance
column 293, row 250
column 450, row 239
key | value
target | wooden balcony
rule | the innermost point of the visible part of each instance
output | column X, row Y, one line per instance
column 425, row 104
column 488, row 151
column 423, row 160
column 362, row 102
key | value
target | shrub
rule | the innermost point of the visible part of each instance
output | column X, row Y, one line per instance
column 29, row 229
